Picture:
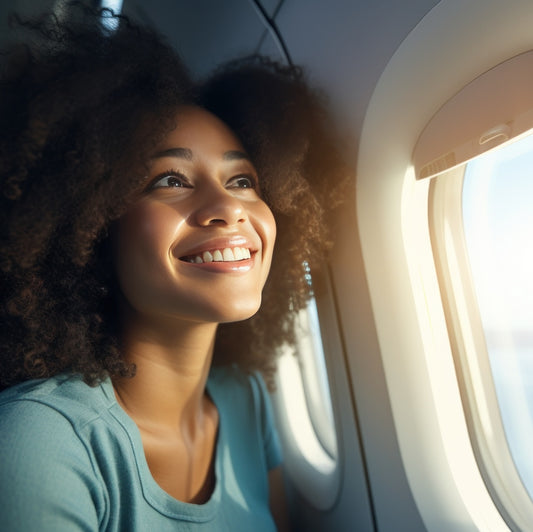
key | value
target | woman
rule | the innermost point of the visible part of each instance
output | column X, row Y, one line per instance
column 137, row 236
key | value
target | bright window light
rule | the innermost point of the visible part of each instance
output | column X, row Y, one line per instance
column 116, row 6
column 298, row 416
column 305, row 415
column 498, row 224
column 315, row 378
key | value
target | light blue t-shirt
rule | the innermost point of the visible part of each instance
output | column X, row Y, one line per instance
column 72, row 460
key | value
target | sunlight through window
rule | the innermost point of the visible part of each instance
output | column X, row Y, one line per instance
column 498, row 223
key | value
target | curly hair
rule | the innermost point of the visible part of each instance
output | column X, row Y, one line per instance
column 72, row 156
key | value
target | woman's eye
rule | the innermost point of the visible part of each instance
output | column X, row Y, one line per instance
column 170, row 180
column 242, row 181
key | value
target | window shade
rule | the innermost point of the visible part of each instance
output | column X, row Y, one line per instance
column 494, row 108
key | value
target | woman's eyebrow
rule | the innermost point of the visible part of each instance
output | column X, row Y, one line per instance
column 186, row 153
column 182, row 153
column 235, row 155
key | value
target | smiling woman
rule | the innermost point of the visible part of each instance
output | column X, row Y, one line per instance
column 143, row 289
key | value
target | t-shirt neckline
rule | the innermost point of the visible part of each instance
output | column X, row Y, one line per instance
column 153, row 493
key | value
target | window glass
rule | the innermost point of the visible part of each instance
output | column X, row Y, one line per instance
column 498, row 224
column 116, row 6
column 303, row 405
column 315, row 378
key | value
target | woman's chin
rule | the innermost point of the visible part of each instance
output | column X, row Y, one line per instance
column 240, row 313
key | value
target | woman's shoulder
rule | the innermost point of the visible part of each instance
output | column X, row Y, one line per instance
column 243, row 394
column 51, row 401
column 244, row 402
column 47, row 471
column 236, row 382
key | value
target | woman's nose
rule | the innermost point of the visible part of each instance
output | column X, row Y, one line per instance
column 219, row 207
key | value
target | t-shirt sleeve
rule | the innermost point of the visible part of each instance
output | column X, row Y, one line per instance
column 47, row 483
column 265, row 414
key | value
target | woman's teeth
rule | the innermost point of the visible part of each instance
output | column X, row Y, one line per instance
column 221, row 255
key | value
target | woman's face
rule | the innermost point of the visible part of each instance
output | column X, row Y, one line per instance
column 197, row 245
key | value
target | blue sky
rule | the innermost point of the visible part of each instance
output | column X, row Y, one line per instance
column 498, row 220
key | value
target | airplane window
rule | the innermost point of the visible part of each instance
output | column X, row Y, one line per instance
column 481, row 230
column 116, row 7
column 304, row 412
column 498, row 225
column 475, row 151
column 314, row 374
column 315, row 378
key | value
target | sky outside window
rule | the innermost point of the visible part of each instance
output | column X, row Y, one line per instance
column 498, row 222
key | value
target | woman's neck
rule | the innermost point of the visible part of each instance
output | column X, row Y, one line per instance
column 173, row 361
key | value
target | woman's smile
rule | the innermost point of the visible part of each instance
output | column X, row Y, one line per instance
column 235, row 254
column 236, row 248
column 198, row 243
